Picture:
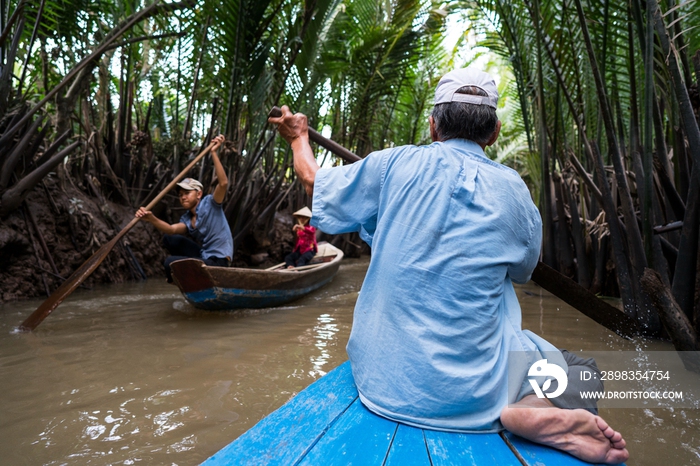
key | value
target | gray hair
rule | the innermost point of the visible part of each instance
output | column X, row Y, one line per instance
column 459, row 120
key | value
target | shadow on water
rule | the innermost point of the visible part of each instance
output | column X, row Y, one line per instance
column 129, row 374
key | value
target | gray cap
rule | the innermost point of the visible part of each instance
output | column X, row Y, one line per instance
column 446, row 89
column 190, row 183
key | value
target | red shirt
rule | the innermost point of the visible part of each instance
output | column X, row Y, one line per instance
column 306, row 240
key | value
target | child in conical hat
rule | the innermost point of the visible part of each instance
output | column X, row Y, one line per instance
column 306, row 247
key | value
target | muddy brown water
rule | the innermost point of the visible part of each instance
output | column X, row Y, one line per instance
column 131, row 374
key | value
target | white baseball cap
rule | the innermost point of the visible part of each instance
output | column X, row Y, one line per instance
column 446, row 90
column 190, row 183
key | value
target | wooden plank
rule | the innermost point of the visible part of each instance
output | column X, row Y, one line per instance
column 327, row 424
column 540, row 455
column 408, row 447
column 313, row 265
column 274, row 267
column 359, row 437
column 449, row 448
column 286, row 435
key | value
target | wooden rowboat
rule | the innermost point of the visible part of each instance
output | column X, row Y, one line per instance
column 326, row 424
column 226, row 288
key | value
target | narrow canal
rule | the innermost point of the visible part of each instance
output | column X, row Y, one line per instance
column 131, row 374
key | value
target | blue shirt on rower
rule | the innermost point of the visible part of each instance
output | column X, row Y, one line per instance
column 437, row 315
column 211, row 229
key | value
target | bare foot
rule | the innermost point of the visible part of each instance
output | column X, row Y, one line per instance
column 575, row 431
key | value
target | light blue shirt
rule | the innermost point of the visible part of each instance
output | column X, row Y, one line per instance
column 437, row 314
column 211, row 229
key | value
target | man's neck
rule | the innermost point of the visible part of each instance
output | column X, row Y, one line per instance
column 193, row 210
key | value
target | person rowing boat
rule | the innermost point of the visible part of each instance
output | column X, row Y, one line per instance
column 204, row 221
column 437, row 319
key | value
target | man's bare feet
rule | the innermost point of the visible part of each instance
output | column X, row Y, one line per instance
column 575, row 431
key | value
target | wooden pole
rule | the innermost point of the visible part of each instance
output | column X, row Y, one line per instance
column 584, row 301
column 324, row 142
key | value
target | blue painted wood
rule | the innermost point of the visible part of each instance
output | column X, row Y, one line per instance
column 284, row 437
column 215, row 299
column 540, row 455
column 357, row 438
column 447, row 448
column 326, row 424
column 408, row 447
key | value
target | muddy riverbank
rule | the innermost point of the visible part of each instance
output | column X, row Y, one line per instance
column 59, row 227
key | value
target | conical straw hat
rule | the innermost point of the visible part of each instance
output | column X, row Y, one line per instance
column 303, row 212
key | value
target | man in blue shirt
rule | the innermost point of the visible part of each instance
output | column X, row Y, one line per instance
column 437, row 317
column 204, row 221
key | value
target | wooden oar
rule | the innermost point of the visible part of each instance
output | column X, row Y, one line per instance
column 551, row 280
column 96, row 259
column 324, row 142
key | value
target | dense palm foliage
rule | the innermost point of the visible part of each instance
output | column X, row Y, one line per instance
column 179, row 71
column 114, row 97
column 605, row 93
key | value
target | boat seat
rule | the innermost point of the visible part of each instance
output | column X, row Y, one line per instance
column 326, row 424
